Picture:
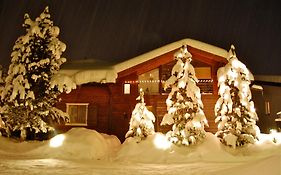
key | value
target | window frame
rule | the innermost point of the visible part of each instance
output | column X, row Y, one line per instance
column 125, row 90
column 86, row 114
column 142, row 82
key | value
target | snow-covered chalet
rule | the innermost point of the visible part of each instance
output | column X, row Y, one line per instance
column 106, row 94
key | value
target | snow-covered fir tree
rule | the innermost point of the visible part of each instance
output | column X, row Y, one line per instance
column 184, row 104
column 141, row 123
column 30, row 94
column 234, row 110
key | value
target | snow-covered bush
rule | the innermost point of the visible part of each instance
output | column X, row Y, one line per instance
column 141, row 123
column 28, row 95
column 184, row 104
column 235, row 110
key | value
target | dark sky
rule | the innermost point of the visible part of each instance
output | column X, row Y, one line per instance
column 115, row 30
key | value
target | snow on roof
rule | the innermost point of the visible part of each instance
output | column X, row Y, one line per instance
column 88, row 76
column 269, row 78
column 257, row 87
column 89, row 70
column 86, row 71
column 170, row 47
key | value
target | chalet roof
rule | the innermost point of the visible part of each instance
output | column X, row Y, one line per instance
column 170, row 47
column 85, row 71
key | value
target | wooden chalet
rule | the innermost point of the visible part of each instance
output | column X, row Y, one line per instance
column 266, row 93
column 106, row 94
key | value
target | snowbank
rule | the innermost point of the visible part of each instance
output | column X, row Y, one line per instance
column 211, row 150
column 81, row 148
column 150, row 150
column 77, row 143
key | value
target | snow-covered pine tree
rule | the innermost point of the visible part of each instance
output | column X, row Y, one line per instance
column 141, row 123
column 2, row 125
column 28, row 96
column 234, row 110
column 184, row 104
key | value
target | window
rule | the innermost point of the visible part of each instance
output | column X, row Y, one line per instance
column 127, row 88
column 267, row 107
column 149, row 82
column 78, row 113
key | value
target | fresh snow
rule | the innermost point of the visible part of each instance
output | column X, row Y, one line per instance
column 86, row 151
column 63, row 83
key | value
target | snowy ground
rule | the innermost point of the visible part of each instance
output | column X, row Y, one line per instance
column 88, row 152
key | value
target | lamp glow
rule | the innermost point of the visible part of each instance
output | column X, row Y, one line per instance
column 276, row 137
column 161, row 142
column 57, row 141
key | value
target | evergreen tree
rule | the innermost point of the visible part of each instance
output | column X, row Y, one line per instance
column 28, row 95
column 1, row 89
column 234, row 110
column 141, row 123
column 184, row 105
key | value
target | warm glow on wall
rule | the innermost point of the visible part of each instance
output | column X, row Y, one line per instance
column 203, row 72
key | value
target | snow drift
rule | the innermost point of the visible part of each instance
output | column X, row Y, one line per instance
column 77, row 143
column 82, row 148
column 210, row 150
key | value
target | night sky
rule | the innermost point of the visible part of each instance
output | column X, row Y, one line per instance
column 115, row 30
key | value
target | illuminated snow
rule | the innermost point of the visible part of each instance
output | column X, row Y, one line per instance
column 57, row 141
column 161, row 142
column 137, row 157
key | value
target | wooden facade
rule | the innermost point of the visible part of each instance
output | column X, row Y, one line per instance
column 110, row 109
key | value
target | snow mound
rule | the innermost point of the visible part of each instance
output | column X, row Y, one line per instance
column 156, row 149
column 82, row 143
column 210, row 150
column 262, row 148
column 77, row 143
column 10, row 146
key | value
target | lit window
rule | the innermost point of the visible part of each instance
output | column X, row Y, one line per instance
column 78, row 113
column 149, row 81
column 127, row 88
column 267, row 107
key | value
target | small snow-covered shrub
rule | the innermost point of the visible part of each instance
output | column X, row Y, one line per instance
column 141, row 123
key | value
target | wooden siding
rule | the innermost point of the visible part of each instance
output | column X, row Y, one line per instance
column 97, row 96
column 159, row 108
column 202, row 56
column 122, row 106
